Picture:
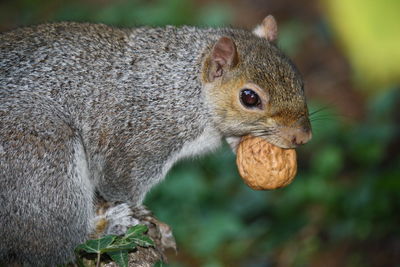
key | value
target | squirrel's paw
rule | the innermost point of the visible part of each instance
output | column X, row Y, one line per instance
column 119, row 219
column 115, row 220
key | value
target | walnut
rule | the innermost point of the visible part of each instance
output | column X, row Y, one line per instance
column 264, row 166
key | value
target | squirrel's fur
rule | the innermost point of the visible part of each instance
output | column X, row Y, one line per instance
column 87, row 108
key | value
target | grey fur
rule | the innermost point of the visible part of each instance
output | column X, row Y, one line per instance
column 87, row 108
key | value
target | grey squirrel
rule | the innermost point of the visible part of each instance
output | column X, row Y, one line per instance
column 89, row 109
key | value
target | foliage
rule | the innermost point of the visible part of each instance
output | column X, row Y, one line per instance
column 117, row 247
column 121, row 13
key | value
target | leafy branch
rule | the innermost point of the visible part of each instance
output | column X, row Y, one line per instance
column 117, row 247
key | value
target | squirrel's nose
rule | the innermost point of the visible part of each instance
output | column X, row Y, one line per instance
column 301, row 135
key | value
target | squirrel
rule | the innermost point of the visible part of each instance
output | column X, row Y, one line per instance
column 89, row 109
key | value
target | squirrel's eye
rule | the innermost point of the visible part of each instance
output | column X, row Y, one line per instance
column 249, row 98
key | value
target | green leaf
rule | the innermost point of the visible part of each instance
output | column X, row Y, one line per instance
column 96, row 245
column 120, row 257
column 121, row 245
column 135, row 231
column 142, row 240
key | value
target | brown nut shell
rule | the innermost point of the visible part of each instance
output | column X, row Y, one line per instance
column 264, row 166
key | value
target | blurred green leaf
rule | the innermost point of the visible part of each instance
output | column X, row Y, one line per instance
column 291, row 35
column 214, row 14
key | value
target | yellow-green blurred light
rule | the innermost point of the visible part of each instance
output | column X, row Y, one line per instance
column 369, row 31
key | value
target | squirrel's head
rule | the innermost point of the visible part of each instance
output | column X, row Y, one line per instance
column 252, row 88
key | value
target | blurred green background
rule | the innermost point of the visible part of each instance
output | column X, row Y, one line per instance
column 343, row 209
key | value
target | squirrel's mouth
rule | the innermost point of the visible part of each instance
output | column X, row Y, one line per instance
column 233, row 142
column 277, row 140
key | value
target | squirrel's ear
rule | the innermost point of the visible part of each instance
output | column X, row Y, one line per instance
column 223, row 56
column 268, row 29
